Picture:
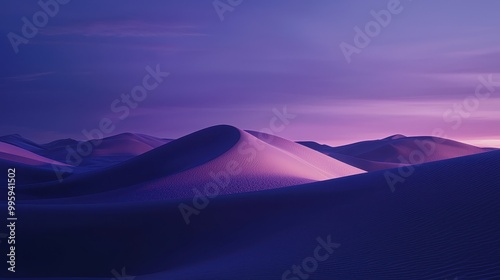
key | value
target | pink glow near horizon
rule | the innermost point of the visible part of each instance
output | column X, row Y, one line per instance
column 237, row 71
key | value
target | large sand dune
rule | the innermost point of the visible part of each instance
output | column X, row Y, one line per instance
column 277, row 199
column 441, row 224
column 231, row 158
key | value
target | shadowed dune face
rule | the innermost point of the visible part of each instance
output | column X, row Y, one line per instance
column 177, row 156
column 16, row 154
column 409, row 234
column 125, row 145
column 86, row 156
column 19, row 141
column 279, row 196
column 233, row 159
column 252, row 164
column 36, row 168
column 128, row 165
column 265, row 160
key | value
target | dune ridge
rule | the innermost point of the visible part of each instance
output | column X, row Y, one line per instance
column 395, row 151
column 172, row 170
column 408, row 234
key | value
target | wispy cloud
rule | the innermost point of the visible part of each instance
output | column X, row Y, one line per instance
column 27, row 77
column 432, row 108
column 125, row 28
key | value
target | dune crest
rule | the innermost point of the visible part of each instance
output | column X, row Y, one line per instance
column 16, row 154
column 396, row 151
column 235, row 160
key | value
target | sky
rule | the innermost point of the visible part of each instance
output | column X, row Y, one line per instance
column 419, row 72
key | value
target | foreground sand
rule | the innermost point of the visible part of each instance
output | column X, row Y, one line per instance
column 441, row 223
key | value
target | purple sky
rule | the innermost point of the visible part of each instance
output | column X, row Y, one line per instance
column 264, row 55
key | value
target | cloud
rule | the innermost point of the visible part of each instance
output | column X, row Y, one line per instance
column 27, row 77
column 430, row 109
column 124, row 28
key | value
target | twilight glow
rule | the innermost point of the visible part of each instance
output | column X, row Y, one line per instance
column 418, row 74
column 250, row 139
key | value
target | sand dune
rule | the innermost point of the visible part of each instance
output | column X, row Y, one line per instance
column 333, row 168
column 19, row 141
column 441, row 223
column 125, row 144
column 396, row 150
column 276, row 199
column 103, row 153
column 16, row 154
column 35, row 168
column 231, row 158
column 256, row 165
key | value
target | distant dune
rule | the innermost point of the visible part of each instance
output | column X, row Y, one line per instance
column 19, row 141
column 104, row 152
column 396, row 151
column 118, row 213
column 197, row 159
column 16, row 154
column 125, row 144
